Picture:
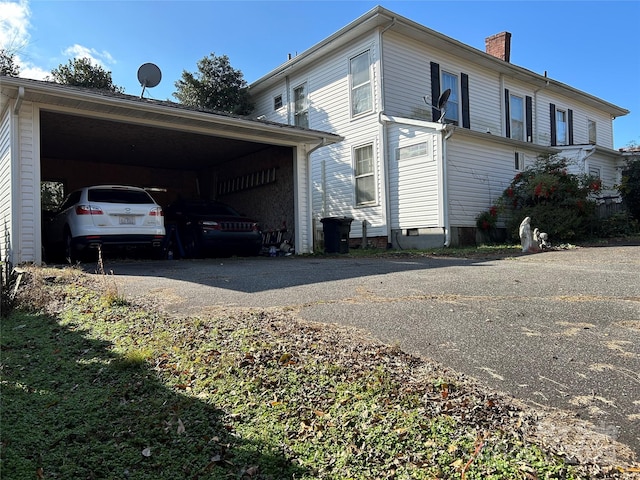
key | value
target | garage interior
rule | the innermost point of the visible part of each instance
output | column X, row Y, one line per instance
column 254, row 178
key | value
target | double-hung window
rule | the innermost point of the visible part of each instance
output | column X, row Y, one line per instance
column 361, row 93
column 516, row 112
column 591, row 125
column 365, row 178
column 301, row 106
column 561, row 127
column 451, row 115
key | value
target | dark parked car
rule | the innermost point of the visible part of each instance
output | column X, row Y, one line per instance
column 212, row 228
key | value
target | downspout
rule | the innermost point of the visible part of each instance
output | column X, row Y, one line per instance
column 383, row 128
column 16, row 108
column 445, row 186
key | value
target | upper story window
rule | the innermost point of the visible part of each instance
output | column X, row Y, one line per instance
column 277, row 102
column 452, row 113
column 561, row 127
column 365, row 179
column 591, row 125
column 361, row 92
column 516, row 120
column 301, row 106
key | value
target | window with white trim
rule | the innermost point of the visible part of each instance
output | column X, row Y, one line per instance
column 411, row 151
column 516, row 112
column 561, row 127
column 364, row 175
column 361, row 92
column 594, row 172
column 519, row 161
column 452, row 114
column 301, row 106
column 591, row 126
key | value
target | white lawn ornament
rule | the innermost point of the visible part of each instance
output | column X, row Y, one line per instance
column 541, row 239
column 526, row 238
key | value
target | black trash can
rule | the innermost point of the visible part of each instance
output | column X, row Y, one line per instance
column 336, row 234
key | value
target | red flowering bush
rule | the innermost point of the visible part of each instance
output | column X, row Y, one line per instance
column 558, row 202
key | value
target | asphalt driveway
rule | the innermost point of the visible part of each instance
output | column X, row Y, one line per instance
column 559, row 329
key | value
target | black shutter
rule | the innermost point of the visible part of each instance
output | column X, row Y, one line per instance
column 507, row 113
column 570, row 125
column 464, row 84
column 529, row 118
column 552, row 119
column 435, row 90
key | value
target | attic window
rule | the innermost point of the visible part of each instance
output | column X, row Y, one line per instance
column 277, row 102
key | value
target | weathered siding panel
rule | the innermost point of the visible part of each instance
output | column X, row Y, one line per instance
column 5, row 184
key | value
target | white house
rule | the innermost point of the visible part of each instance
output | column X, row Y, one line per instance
column 418, row 180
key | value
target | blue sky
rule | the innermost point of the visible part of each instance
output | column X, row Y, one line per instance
column 590, row 45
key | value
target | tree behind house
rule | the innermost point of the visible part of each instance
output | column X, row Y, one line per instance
column 8, row 66
column 216, row 86
column 80, row 72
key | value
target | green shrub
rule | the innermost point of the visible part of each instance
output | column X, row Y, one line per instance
column 557, row 201
column 630, row 186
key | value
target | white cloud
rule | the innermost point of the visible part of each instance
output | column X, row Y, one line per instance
column 33, row 72
column 98, row 58
column 14, row 25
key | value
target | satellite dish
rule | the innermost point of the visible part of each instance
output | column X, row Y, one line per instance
column 149, row 75
column 442, row 100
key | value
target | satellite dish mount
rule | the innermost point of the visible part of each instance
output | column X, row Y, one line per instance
column 149, row 75
column 442, row 102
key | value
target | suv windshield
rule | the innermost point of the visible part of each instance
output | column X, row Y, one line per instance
column 108, row 195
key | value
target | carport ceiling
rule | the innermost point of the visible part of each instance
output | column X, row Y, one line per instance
column 74, row 137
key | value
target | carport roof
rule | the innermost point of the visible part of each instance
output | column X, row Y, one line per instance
column 115, row 126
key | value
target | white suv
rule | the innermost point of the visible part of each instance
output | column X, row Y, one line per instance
column 105, row 215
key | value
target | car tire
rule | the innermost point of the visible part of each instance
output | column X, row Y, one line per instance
column 70, row 251
column 191, row 244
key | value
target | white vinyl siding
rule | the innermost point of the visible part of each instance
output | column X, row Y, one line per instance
column 28, row 211
column 407, row 81
column 478, row 174
column 581, row 113
column 5, row 183
column 413, row 182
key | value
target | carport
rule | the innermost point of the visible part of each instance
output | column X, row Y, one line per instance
column 73, row 137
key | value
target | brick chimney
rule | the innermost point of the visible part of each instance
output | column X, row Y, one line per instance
column 499, row 45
